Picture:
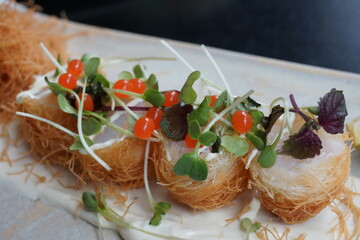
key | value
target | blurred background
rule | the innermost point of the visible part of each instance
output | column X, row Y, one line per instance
column 321, row 33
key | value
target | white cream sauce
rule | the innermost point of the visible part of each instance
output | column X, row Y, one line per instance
column 180, row 221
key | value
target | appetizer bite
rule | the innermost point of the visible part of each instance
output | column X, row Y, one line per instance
column 302, row 170
column 63, row 121
column 202, row 163
column 20, row 59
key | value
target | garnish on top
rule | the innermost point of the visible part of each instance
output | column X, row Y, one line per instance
column 221, row 122
column 331, row 112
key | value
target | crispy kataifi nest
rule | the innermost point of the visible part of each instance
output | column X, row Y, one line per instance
column 20, row 55
column 296, row 190
column 227, row 178
column 125, row 157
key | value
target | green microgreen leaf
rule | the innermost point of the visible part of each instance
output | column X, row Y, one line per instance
column 257, row 116
column 77, row 145
column 247, row 225
column 85, row 57
column 152, row 83
column 216, row 146
column 154, row 97
column 184, row 164
column 91, row 126
column 91, row 66
column 199, row 170
column 192, row 165
column 98, row 77
column 260, row 134
column 221, row 101
column 138, row 72
column 160, row 208
column 256, row 141
column 125, row 75
column 156, row 219
column 314, row 110
column 57, row 72
column 188, row 94
column 267, row 157
column 202, row 113
column 65, row 105
column 194, row 129
column 99, row 205
column 235, row 145
column 207, row 138
column 174, row 121
column 90, row 201
column 55, row 87
column 253, row 103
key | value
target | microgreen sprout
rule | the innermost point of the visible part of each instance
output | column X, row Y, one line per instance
column 192, row 164
column 205, row 80
column 331, row 112
column 158, row 208
column 57, row 71
column 248, row 226
column 222, row 77
column 95, row 204
column 268, row 154
column 52, row 59
column 81, row 135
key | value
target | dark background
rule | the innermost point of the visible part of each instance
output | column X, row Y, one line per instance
column 322, row 32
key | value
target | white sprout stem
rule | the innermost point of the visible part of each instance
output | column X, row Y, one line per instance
column 122, row 104
column 112, row 98
column 146, row 182
column 111, row 60
column 156, row 234
column 81, row 135
column 101, row 235
column 227, row 122
column 128, row 110
column 54, row 124
column 188, row 65
column 286, row 119
column 226, row 110
column 286, row 111
column 251, row 157
column 219, row 71
column 129, row 93
column 52, row 59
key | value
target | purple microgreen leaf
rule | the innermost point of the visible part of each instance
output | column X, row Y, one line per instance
column 332, row 112
column 268, row 122
column 174, row 121
column 302, row 145
column 297, row 109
